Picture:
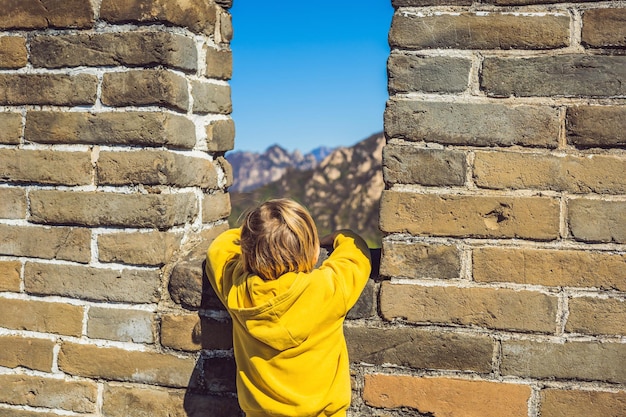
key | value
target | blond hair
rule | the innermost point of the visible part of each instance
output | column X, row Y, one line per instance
column 278, row 237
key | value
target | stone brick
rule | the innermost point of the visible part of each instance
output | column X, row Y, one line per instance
column 421, row 349
column 138, row 248
column 41, row 316
column 479, row 31
column 191, row 332
column 25, row 413
column 215, row 207
column 604, row 28
column 199, row 16
column 473, row 124
column 225, row 28
column 420, row 260
column 120, row 128
column 565, row 403
column 441, row 396
column 211, row 98
column 142, row 401
column 216, row 375
column 597, row 220
column 548, row 267
column 220, row 135
column 13, row 53
column 52, row 89
column 482, row 307
column 596, row 126
column 159, row 211
column 35, row 391
column 365, row 306
column 412, row 3
column 111, row 285
column 427, row 74
column 14, row 203
column 123, row 365
column 130, row 49
column 46, row 167
column 434, row 167
column 11, row 131
column 602, row 174
column 149, row 87
column 524, row 2
column 219, row 63
column 220, row 406
column 560, row 76
column 124, row 325
column 596, row 316
column 478, row 216
column 227, row 169
column 588, row 361
column 26, row 352
column 10, row 276
column 63, row 243
column 42, row 14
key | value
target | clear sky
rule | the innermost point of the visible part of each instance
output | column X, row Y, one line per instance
column 308, row 73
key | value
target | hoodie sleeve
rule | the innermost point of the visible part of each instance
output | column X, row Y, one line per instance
column 350, row 259
column 224, row 249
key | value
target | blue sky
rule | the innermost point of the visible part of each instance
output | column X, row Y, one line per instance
column 308, row 73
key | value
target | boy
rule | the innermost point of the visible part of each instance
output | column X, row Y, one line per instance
column 289, row 346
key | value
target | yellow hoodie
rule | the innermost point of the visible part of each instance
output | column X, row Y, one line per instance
column 288, row 337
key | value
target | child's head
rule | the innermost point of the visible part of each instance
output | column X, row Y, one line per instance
column 278, row 237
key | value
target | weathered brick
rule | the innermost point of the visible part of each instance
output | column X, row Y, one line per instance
column 10, row 275
column 220, row 135
column 35, row 391
column 65, row 243
column 138, row 248
column 190, row 332
column 596, row 126
column 13, row 204
column 589, row 361
column 197, row 15
column 549, row 267
column 41, row 316
column 142, row 401
column 211, row 98
column 149, row 87
column 427, row 74
column 53, row 89
column 109, row 209
column 45, row 167
column 124, row 365
column 479, row 31
column 215, row 207
column 524, row 2
column 474, row 124
column 365, row 306
column 478, row 216
column 410, row 165
column 120, row 128
column 219, row 63
column 420, row 260
column 422, row 349
column 41, row 14
column 560, row 76
column 227, row 169
column 131, row 49
column 483, row 307
column 602, row 174
column 11, row 131
column 124, row 325
column 26, row 413
column 597, row 220
column 26, row 352
column 411, row 3
column 13, row 53
column 225, row 28
column 604, row 28
column 149, row 167
column 596, row 316
column 446, row 396
column 216, row 375
column 126, row 285
column 220, row 406
column 565, row 403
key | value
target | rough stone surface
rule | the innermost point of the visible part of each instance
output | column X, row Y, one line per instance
column 42, row 14
column 13, row 53
column 14, row 206
column 220, row 406
column 124, row 325
column 26, row 352
column 63, row 243
column 122, row 401
column 427, row 74
column 10, row 275
column 11, row 131
column 365, row 306
column 219, row 63
column 191, row 332
column 597, row 220
column 596, row 316
column 565, row 403
column 596, row 126
column 46, row 167
column 41, row 316
column 215, row 207
column 420, row 260
column 138, row 248
column 220, row 135
column 211, row 98
column 52, row 89
column 473, row 124
column 604, row 28
column 431, row 167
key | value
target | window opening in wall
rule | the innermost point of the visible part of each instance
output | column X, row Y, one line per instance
column 309, row 89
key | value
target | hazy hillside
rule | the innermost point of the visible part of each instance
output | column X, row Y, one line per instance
column 343, row 191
